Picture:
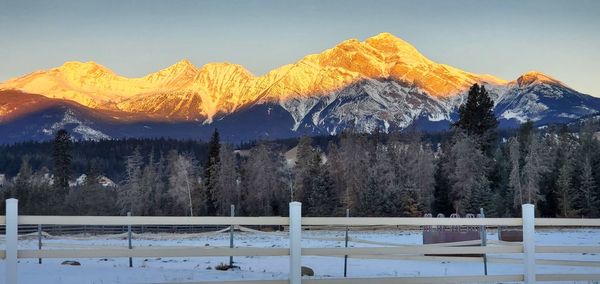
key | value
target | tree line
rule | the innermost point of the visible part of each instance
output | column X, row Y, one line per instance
column 378, row 174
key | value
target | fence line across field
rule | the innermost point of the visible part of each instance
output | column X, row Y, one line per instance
column 526, row 249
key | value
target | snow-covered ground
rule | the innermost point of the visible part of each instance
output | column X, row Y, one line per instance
column 157, row 270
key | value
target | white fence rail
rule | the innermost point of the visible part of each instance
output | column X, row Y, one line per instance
column 527, row 249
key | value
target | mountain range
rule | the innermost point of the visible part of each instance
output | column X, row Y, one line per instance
column 382, row 83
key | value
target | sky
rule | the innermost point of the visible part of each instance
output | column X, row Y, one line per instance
column 134, row 38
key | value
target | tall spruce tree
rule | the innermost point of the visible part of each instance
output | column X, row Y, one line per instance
column 227, row 185
column 441, row 201
column 467, row 169
column 587, row 190
column 211, row 173
column 61, row 156
column 476, row 118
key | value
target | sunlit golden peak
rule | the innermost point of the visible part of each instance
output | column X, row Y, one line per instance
column 83, row 67
column 536, row 77
column 226, row 66
column 387, row 37
column 184, row 63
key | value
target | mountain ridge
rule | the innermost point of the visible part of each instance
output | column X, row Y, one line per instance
column 380, row 56
column 382, row 82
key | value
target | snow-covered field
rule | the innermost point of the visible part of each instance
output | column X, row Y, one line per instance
column 161, row 270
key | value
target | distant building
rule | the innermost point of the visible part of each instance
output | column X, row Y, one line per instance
column 291, row 157
column 2, row 180
column 106, row 182
column 242, row 153
column 102, row 180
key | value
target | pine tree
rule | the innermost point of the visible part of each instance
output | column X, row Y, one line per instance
column 319, row 197
column 228, row 179
column 442, row 203
column 61, row 155
column 567, row 194
column 22, row 185
column 420, row 170
column 211, row 172
column 467, row 169
column 354, row 159
column 535, row 165
column 304, row 169
column 476, row 118
column 92, row 175
column 587, row 190
column 131, row 196
column 515, row 179
column 263, row 186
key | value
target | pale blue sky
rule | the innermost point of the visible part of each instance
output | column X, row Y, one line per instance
column 133, row 38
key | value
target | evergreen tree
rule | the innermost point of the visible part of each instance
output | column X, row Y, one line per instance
column 61, row 155
column 500, row 179
column 304, row 169
column 567, row 194
column 476, row 118
column 420, row 170
column 354, row 159
column 559, row 150
column 515, row 179
column 264, row 191
column 227, row 184
column 130, row 196
column 319, row 197
column 22, row 185
column 442, row 203
column 92, row 175
column 211, row 173
column 587, row 191
column 535, row 165
column 467, row 172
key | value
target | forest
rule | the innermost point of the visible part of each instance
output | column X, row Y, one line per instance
column 405, row 173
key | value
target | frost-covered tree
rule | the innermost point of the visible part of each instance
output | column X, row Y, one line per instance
column 467, row 168
column 354, row 158
column 130, row 196
column 420, row 171
column 304, row 169
column 228, row 181
column 383, row 195
column 319, row 197
column 534, row 166
column 567, row 194
column 182, row 181
column 264, row 191
column 588, row 199
column 515, row 172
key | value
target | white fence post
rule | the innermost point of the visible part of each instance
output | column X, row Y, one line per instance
column 529, row 242
column 12, row 222
column 295, row 243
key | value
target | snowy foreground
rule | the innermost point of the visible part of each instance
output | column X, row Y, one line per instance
column 163, row 270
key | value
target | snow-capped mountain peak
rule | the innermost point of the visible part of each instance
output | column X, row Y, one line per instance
column 382, row 82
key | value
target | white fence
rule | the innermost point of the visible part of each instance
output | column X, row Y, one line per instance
column 527, row 249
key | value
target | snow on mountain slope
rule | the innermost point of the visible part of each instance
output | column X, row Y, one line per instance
column 381, row 83
column 81, row 130
column 540, row 98
column 222, row 87
column 369, row 105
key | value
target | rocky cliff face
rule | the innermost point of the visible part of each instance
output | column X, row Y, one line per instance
column 380, row 83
